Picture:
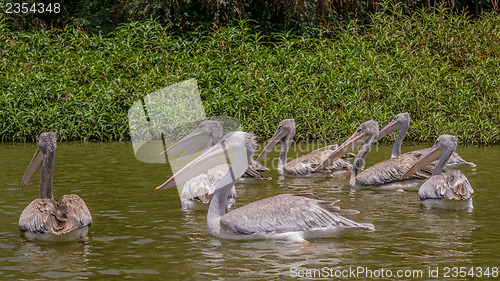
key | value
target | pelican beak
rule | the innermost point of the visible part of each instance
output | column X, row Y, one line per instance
column 426, row 159
column 278, row 135
column 33, row 167
column 354, row 141
column 214, row 156
column 190, row 144
column 391, row 127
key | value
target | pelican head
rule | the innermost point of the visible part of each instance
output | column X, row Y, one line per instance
column 400, row 121
column 442, row 149
column 207, row 134
column 235, row 149
column 285, row 128
column 364, row 132
column 47, row 142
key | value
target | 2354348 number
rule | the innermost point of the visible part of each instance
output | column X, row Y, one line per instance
column 25, row 8
column 477, row 272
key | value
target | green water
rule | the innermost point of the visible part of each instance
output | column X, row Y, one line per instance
column 141, row 234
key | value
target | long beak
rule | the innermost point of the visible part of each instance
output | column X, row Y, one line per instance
column 426, row 159
column 391, row 127
column 349, row 145
column 33, row 167
column 189, row 144
column 216, row 155
column 272, row 143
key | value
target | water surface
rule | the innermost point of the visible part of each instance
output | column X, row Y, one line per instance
column 138, row 233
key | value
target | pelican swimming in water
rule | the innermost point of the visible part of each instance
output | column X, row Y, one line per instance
column 44, row 218
column 197, row 192
column 448, row 190
column 285, row 216
column 401, row 122
column 383, row 175
column 305, row 164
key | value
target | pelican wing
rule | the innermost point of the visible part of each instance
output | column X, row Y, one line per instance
column 392, row 169
column 38, row 216
column 201, row 187
column 287, row 213
column 215, row 174
column 333, row 147
column 328, row 147
column 417, row 155
column 198, row 188
column 48, row 216
column 306, row 164
column 456, row 161
column 74, row 209
column 451, row 186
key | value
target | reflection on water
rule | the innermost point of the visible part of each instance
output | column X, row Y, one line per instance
column 138, row 233
column 64, row 260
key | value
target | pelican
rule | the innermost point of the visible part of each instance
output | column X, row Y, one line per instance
column 401, row 122
column 197, row 192
column 305, row 164
column 44, row 218
column 449, row 190
column 285, row 216
column 383, row 175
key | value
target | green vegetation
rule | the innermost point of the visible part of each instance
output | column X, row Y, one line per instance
column 307, row 18
column 442, row 68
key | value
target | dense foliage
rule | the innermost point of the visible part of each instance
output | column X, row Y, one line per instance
column 442, row 68
column 303, row 17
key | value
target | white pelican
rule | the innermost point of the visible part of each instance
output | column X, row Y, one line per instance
column 449, row 190
column 383, row 175
column 305, row 164
column 286, row 216
column 44, row 218
column 401, row 122
column 197, row 192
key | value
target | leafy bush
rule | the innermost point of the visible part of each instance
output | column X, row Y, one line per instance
column 304, row 18
column 442, row 68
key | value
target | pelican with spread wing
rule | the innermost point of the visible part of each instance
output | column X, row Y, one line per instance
column 44, row 218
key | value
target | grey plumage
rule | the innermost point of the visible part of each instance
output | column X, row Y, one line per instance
column 48, row 216
column 390, row 170
column 285, row 216
column 287, row 213
column 197, row 192
column 383, row 175
column 444, row 189
column 401, row 122
column 305, row 164
column 44, row 218
column 452, row 185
